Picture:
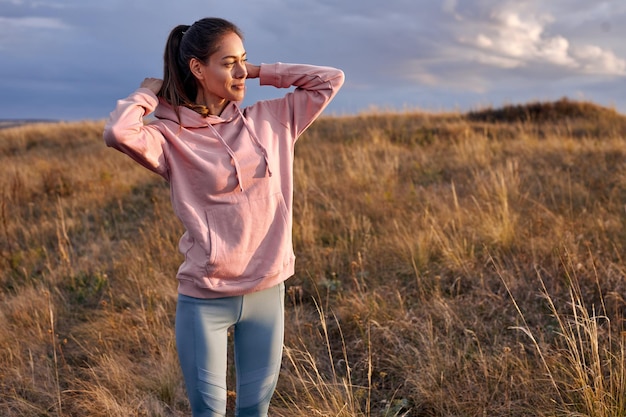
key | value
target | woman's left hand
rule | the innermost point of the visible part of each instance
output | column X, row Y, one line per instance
column 253, row 70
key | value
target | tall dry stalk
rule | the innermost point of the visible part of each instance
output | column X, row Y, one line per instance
column 53, row 339
column 326, row 383
column 588, row 371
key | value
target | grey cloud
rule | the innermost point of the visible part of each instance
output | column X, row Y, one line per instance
column 414, row 53
column 521, row 39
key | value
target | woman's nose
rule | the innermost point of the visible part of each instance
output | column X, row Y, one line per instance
column 241, row 71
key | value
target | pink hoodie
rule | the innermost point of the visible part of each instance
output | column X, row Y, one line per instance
column 231, row 177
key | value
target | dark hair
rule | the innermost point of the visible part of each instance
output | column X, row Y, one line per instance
column 199, row 41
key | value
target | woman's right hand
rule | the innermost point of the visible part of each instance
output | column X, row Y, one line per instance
column 152, row 84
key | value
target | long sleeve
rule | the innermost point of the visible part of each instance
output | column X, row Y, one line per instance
column 315, row 88
column 125, row 131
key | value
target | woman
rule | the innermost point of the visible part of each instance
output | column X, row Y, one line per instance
column 230, row 171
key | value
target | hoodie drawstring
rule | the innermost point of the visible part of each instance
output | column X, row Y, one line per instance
column 256, row 141
column 231, row 153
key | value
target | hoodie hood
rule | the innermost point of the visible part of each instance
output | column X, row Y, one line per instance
column 190, row 119
column 193, row 120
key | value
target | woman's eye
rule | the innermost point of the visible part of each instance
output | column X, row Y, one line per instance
column 232, row 64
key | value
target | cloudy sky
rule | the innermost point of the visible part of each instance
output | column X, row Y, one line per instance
column 72, row 59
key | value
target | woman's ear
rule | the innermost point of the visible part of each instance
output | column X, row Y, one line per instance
column 196, row 67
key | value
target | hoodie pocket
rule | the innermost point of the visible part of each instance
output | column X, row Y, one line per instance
column 249, row 240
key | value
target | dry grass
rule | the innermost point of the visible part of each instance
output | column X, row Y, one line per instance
column 448, row 265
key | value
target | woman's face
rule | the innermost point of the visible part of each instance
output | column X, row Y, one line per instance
column 223, row 76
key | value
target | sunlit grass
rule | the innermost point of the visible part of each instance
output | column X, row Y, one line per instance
column 447, row 265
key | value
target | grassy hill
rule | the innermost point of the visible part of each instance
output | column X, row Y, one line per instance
column 448, row 264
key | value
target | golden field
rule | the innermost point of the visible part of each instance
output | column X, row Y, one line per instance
column 448, row 265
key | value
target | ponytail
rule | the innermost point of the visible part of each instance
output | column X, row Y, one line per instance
column 176, row 72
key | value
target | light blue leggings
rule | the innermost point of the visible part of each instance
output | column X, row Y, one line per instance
column 201, row 339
